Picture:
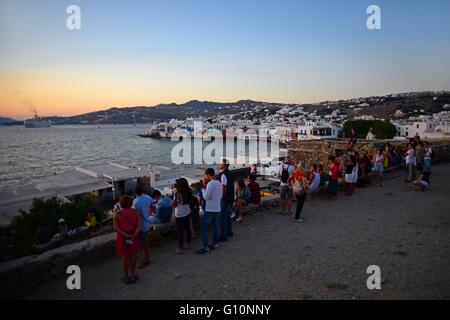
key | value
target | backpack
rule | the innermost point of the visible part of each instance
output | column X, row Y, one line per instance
column 285, row 173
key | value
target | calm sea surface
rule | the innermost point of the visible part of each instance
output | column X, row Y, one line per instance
column 27, row 153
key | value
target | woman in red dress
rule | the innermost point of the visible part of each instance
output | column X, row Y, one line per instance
column 127, row 225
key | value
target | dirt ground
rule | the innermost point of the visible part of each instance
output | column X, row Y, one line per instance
column 403, row 231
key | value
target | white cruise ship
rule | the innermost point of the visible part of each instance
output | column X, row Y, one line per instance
column 37, row 122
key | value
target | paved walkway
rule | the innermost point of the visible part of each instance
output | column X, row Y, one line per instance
column 403, row 231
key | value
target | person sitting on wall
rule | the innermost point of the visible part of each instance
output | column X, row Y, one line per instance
column 61, row 230
column 91, row 220
column 352, row 140
column 255, row 190
column 243, row 197
column 42, row 236
column 163, row 209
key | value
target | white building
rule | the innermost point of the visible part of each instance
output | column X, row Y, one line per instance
column 426, row 128
column 317, row 130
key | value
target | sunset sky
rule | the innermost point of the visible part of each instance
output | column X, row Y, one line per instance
column 160, row 51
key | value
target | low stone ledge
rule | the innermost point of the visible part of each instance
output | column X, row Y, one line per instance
column 22, row 275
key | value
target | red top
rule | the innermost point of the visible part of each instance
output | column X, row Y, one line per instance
column 334, row 172
column 298, row 174
column 255, row 191
column 127, row 221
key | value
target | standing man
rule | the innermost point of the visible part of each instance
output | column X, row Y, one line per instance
column 212, row 196
column 142, row 204
column 227, row 181
column 286, row 196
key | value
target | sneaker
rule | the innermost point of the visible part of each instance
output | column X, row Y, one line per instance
column 299, row 220
column 203, row 251
column 238, row 219
column 233, row 215
column 213, row 246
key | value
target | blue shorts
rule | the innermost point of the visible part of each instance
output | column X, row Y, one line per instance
column 378, row 167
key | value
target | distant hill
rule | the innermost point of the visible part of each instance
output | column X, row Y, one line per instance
column 162, row 112
column 411, row 104
column 9, row 121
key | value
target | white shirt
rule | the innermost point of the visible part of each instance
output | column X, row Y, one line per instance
column 379, row 158
column 213, row 196
column 410, row 156
column 316, row 182
column 182, row 210
column 223, row 180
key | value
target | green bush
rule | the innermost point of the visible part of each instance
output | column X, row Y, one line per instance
column 46, row 213
column 381, row 129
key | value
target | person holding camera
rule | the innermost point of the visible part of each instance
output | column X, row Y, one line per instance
column 127, row 224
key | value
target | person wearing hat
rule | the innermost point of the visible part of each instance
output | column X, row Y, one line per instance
column 61, row 230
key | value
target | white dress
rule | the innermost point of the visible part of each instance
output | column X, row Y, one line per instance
column 355, row 173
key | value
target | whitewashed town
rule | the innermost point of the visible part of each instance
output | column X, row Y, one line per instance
column 293, row 123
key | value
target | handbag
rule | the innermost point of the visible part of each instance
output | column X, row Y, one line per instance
column 300, row 183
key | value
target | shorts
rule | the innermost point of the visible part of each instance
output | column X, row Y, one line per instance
column 378, row 167
column 286, row 193
column 349, row 178
column 144, row 237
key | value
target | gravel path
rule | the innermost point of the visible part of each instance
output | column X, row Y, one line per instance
column 403, row 231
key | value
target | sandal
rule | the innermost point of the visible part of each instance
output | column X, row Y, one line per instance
column 144, row 265
column 126, row 280
column 133, row 279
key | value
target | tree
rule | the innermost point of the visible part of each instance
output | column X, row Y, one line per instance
column 45, row 213
column 384, row 129
column 381, row 129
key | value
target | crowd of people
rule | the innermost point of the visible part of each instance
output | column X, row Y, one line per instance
column 351, row 168
column 217, row 200
column 220, row 202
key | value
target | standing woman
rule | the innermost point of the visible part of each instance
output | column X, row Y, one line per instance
column 300, row 187
column 410, row 163
column 378, row 166
column 182, row 204
column 127, row 224
column 348, row 165
column 356, row 171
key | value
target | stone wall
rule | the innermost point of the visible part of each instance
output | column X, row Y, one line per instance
column 318, row 151
column 19, row 276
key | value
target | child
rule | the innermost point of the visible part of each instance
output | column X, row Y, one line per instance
column 424, row 180
column 378, row 166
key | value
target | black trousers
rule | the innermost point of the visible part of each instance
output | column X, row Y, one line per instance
column 300, row 203
column 183, row 228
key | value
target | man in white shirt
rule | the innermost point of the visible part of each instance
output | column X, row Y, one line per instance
column 213, row 197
